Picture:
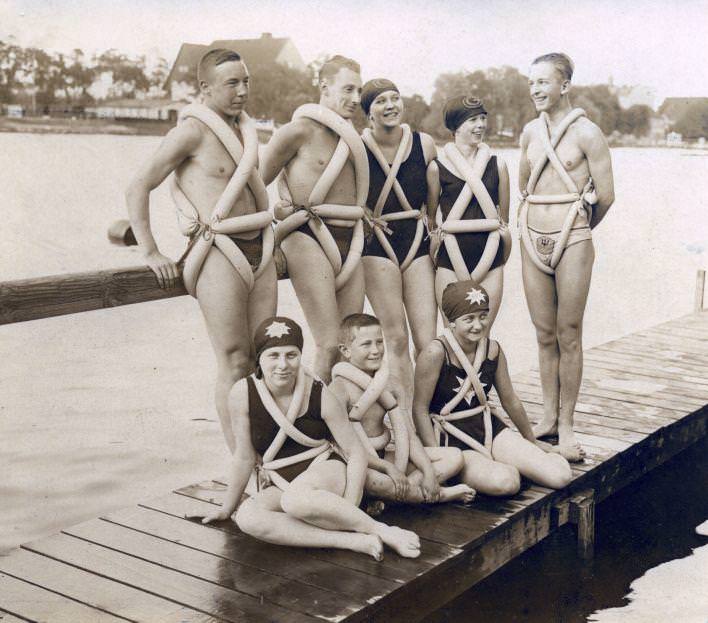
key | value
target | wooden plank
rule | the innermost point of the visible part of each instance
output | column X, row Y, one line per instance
column 672, row 341
column 285, row 561
column 667, row 362
column 96, row 591
column 34, row 603
column 272, row 588
column 397, row 569
column 673, row 381
column 646, row 346
column 182, row 589
column 666, row 357
column 535, row 412
column 56, row 295
column 6, row 617
column 420, row 597
column 591, row 388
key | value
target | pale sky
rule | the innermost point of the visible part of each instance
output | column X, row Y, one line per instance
column 657, row 44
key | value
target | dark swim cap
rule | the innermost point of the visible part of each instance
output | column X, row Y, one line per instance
column 277, row 331
column 372, row 89
column 463, row 297
column 460, row 108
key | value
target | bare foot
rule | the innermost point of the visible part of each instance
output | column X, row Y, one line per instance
column 370, row 544
column 404, row 542
column 546, row 428
column 569, row 447
column 458, row 493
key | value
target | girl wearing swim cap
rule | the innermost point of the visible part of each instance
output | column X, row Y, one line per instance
column 288, row 424
column 466, row 117
column 398, row 270
column 453, row 377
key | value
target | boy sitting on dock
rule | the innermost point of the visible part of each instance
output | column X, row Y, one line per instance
column 412, row 473
column 222, row 206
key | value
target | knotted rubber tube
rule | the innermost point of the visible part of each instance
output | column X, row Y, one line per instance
column 349, row 143
column 442, row 421
column 219, row 227
column 574, row 197
column 392, row 183
column 374, row 390
column 453, row 224
column 320, row 449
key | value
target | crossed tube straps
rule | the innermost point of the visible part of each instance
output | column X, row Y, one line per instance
column 319, row 449
column 328, row 213
column 573, row 197
column 392, row 183
column 375, row 391
column 442, row 422
column 217, row 230
column 454, row 224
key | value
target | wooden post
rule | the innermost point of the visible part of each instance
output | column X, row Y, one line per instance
column 700, row 288
column 582, row 513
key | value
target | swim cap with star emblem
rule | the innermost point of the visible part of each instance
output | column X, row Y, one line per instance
column 277, row 331
column 464, row 297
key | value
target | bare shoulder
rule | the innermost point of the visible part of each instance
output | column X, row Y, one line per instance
column 238, row 396
column 429, row 149
column 528, row 131
column 434, row 352
column 494, row 350
column 188, row 132
column 588, row 132
column 296, row 131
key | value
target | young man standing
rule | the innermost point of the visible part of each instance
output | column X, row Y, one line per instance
column 222, row 207
column 566, row 180
column 324, row 184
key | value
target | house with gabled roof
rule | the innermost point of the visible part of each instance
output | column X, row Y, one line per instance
column 181, row 82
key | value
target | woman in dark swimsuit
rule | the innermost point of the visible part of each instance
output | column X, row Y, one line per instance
column 401, row 289
column 318, row 507
column 466, row 118
column 493, row 468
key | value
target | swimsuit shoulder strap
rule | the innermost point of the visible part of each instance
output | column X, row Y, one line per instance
column 447, row 354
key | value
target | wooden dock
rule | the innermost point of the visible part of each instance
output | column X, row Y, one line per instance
column 644, row 399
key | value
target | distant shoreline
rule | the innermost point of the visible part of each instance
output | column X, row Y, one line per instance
column 147, row 127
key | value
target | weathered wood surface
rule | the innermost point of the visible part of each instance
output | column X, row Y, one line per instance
column 150, row 563
column 43, row 297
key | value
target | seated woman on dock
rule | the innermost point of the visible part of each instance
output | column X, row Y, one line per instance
column 452, row 379
column 410, row 473
column 287, row 424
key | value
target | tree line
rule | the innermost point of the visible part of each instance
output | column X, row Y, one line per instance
column 38, row 79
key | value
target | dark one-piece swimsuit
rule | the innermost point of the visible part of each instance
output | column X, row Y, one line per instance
column 264, row 428
column 450, row 380
column 471, row 244
column 411, row 177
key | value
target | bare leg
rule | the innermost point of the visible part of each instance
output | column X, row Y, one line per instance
column 419, row 300
column 223, row 298
column 315, row 497
column 263, row 518
column 313, row 279
column 384, row 290
column 263, row 300
column 488, row 476
column 548, row 470
column 573, row 284
column 540, row 293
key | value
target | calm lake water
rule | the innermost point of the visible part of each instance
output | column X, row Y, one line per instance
column 104, row 409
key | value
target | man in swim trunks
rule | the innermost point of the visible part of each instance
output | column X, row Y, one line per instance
column 302, row 149
column 362, row 347
column 287, row 423
column 579, row 180
column 203, row 168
